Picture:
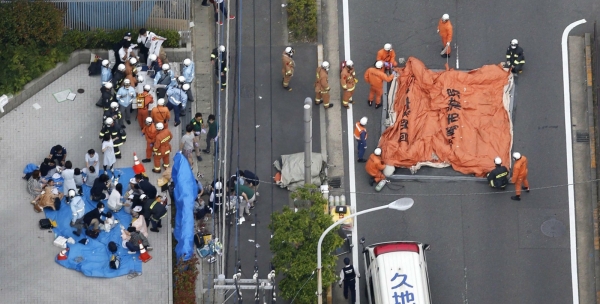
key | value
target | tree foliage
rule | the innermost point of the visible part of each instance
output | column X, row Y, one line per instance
column 32, row 23
column 302, row 19
column 294, row 244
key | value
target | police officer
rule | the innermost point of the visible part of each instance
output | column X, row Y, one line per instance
column 498, row 178
column 515, row 58
column 188, row 72
column 219, row 54
column 177, row 101
column 166, row 79
column 348, row 275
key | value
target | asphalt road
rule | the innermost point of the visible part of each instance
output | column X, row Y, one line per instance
column 486, row 248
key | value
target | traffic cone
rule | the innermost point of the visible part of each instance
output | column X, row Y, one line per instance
column 138, row 167
column 144, row 256
column 62, row 255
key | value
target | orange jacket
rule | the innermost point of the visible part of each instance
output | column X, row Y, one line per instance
column 348, row 79
column 374, row 165
column 288, row 65
column 519, row 169
column 387, row 56
column 150, row 133
column 160, row 114
column 322, row 81
column 162, row 143
column 358, row 128
column 445, row 29
column 376, row 77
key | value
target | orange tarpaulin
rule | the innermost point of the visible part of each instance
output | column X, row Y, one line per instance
column 449, row 117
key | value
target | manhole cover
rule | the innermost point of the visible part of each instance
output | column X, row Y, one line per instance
column 80, row 91
column 553, row 228
column 335, row 182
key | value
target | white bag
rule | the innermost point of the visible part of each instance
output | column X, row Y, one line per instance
column 60, row 242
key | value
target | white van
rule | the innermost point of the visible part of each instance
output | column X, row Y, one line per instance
column 396, row 272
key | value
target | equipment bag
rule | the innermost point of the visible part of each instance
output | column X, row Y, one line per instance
column 92, row 233
column 95, row 68
column 115, row 262
column 45, row 224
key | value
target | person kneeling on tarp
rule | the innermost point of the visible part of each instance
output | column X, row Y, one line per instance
column 374, row 167
column 498, row 178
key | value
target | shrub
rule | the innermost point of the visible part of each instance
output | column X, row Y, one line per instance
column 26, row 22
column 184, row 281
column 302, row 20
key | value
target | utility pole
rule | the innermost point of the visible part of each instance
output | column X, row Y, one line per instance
column 307, row 140
column 238, row 284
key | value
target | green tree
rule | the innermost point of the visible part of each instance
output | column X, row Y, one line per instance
column 294, row 244
column 32, row 23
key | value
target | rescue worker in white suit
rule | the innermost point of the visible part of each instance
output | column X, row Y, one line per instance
column 77, row 210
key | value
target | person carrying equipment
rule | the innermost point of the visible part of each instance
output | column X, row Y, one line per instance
column 445, row 30
column 143, row 101
column 348, row 82
column 388, row 56
column 375, row 167
column 514, row 57
column 375, row 77
column 498, row 178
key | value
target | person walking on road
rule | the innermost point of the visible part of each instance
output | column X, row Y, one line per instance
column 360, row 134
column 519, row 176
column 388, row 56
column 348, row 276
column 161, row 147
column 498, row 178
column 445, row 30
column 220, row 4
column 322, row 85
column 514, row 57
column 288, row 67
column 348, row 82
column 374, row 167
column 375, row 77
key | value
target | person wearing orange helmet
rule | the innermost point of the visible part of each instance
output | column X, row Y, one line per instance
column 375, row 77
column 445, row 30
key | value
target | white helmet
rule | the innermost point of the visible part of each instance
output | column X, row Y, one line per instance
column 445, row 17
column 221, row 48
column 289, row 50
column 71, row 193
column 105, row 62
column 108, row 85
column 514, row 43
column 109, row 121
column 186, row 87
column 181, row 79
column 498, row 160
column 379, row 64
column 325, row 65
column 349, row 63
column 152, row 57
column 363, row 121
column 126, row 81
column 160, row 126
column 143, row 197
column 218, row 185
column 140, row 78
column 133, row 60
column 517, row 155
column 161, row 102
column 148, row 120
column 377, row 151
column 114, row 105
column 165, row 66
column 387, row 46
column 147, row 88
column 187, row 62
column 121, row 67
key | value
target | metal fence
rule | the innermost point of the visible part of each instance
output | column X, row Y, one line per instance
column 125, row 14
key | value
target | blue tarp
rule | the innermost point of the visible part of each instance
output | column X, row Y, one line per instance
column 93, row 259
column 186, row 191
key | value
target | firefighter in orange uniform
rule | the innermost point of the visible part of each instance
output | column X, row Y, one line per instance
column 445, row 30
column 348, row 81
column 150, row 132
column 131, row 71
column 375, row 77
column 288, row 67
column 161, row 113
column 374, row 167
column 162, row 147
column 519, row 175
column 144, row 100
column 322, row 85
column 388, row 56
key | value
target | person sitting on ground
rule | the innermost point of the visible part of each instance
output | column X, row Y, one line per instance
column 145, row 186
column 135, row 238
column 77, row 211
column 47, row 168
column 97, row 193
column 92, row 159
column 91, row 176
column 201, row 209
column 78, row 177
column 93, row 218
column 139, row 221
column 35, row 184
column 49, row 197
column 58, row 154
column 68, row 175
column 115, row 198
column 109, row 222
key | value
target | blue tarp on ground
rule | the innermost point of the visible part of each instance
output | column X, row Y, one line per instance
column 92, row 259
column 186, row 190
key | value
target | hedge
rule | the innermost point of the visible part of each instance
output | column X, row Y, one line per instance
column 302, row 20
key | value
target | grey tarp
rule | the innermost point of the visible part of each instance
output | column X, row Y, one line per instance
column 292, row 170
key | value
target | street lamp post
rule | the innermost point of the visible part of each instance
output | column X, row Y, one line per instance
column 401, row 204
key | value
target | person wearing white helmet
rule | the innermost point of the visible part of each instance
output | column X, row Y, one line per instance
column 360, row 134
column 322, row 85
column 498, row 177
column 161, row 113
column 144, row 100
column 149, row 132
column 387, row 55
column 153, row 65
column 162, row 147
column 375, row 77
column 106, row 96
column 374, row 167
column 113, row 130
column 189, row 72
column 106, row 72
column 164, row 79
column 113, row 112
column 118, row 77
column 126, row 96
column 177, row 100
column 220, row 55
column 77, row 210
column 288, row 66
column 515, row 59
column 519, row 175
column 445, row 30
column 348, row 82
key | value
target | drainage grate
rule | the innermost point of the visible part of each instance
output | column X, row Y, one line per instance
column 582, row 137
column 553, row 228
column 335, row 182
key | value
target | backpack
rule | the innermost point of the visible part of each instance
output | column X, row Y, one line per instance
column 165, row 79
column 115, row 262
column 45, row 224
column 95, row 68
